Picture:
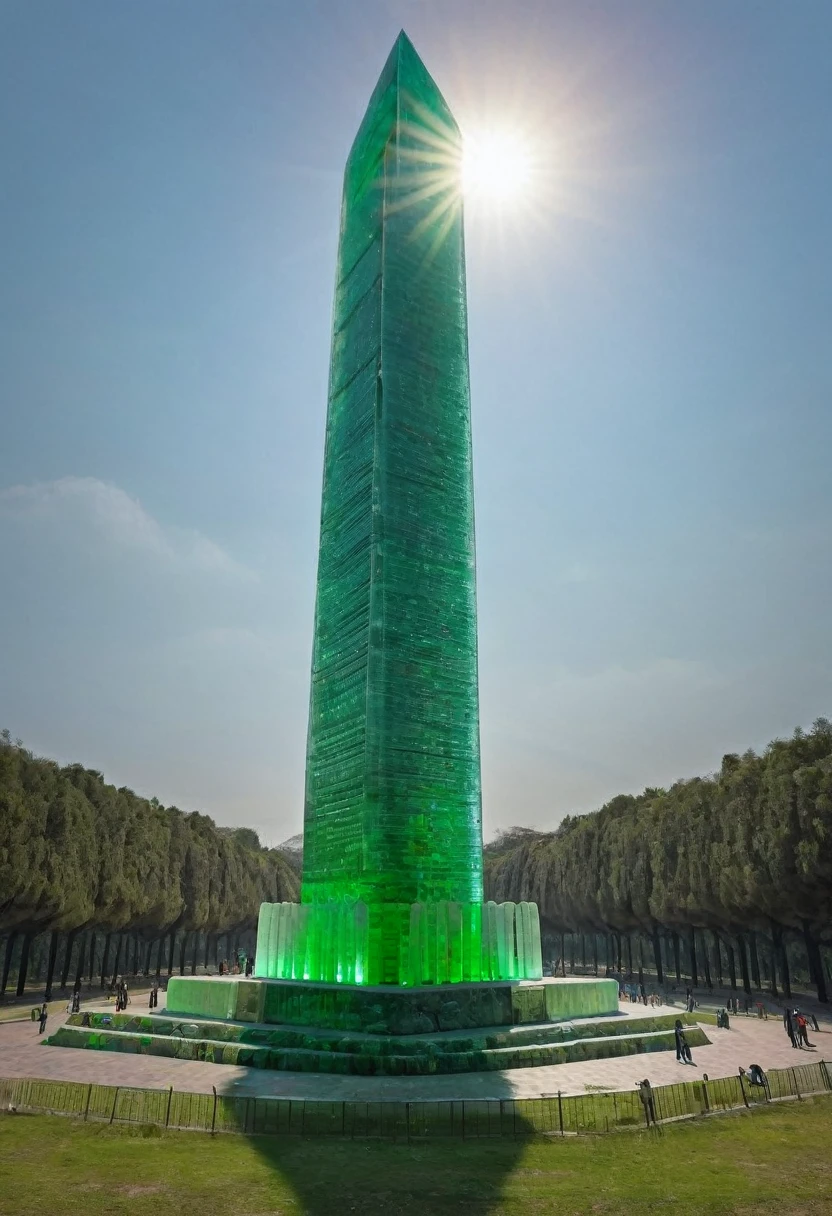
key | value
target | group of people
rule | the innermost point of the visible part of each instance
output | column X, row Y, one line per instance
column 796, row 1027
column 119, row 990
column 637, row 994
column 243, row 964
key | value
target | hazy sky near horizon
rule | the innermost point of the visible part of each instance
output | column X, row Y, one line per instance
column 650, row 359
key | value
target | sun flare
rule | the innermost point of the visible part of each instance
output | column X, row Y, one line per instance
column 496, row 165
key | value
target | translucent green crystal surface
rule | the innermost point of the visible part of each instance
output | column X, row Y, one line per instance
column 350, row 942
column 392, row 812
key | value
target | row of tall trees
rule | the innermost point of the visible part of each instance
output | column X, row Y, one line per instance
column 94, row 866
column 713, row 871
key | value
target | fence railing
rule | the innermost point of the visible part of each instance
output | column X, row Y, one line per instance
column 557, row 1114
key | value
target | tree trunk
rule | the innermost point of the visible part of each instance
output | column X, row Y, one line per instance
column 79, row 967
column 595, row 952
column 159, row 956
column 641, row 960
column 815, row 962
column 657, row 955
column 694, row 976
column 205, row 955
column 195, row 953
column 746, row 978
column 677, row 957
column 571, row 953
column 732, row 970
column 147, row 956
column 92, row 959
column 70, row 942
column 23, row 965
column 782, row 958
column 183, row 943
column 105, row 959
column 11, row 942
column 706, row 966
column 171, row 949
column 50, row 966
column 773, row 965
column 119, row 944
column 562, row 954
column 717, row 956
column 755, row 962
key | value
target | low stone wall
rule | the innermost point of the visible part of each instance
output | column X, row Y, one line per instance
column 390, row 1009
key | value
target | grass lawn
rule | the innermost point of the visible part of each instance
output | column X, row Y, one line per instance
column 777, row 1158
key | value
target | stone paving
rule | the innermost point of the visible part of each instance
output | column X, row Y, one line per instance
column 748, row 1041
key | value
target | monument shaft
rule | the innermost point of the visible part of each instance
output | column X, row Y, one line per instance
column 392, row 813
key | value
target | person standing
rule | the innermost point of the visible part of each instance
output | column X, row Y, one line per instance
column 802, row 1030
column 790, row 1028
column 683, row 1052
column 42, row 1016
column 645, row 1093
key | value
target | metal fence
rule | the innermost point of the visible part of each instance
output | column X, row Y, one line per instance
column 558, row 1114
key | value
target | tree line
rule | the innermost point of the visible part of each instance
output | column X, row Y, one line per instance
column 96, row 881
column 729, row 873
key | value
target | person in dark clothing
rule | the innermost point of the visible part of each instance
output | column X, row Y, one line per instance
column 790, row 1028
column 682, row 1049
column 42, row 1016
column 756, row 1076
column 645, row 1093
column 802, row 1030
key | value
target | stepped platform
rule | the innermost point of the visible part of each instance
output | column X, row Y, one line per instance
column 388, row 1009
column 363, row 1053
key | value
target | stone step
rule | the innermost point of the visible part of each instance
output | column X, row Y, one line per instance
column 431, row 1056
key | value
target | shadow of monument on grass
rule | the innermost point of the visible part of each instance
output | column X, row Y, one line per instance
column 381, row 1161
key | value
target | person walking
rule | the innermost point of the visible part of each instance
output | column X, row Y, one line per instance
column 802, row 1030
column 683, row 1053
column 790, row 1027
column 42, row 1016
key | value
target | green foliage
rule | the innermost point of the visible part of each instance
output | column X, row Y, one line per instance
column 748, row 847
column 76, row 852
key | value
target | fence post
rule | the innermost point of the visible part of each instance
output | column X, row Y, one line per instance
column 167, row 1112
column 214, row 1111
column 705, row 1093
column 115, row 1100
column 560, row 1113
column 824, row 1069
column 87, row 1107
column 742, row 1089
column 794, row 1082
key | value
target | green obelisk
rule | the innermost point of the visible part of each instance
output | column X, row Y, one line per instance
column 392, row 856
column 392, row 809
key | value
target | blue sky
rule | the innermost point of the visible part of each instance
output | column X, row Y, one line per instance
column 650, row 365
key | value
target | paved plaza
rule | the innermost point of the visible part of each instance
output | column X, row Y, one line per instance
column 749, row 1041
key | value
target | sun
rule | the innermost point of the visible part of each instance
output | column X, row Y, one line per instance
column 497, row 165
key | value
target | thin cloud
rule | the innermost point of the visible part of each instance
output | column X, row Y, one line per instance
column 106, row 517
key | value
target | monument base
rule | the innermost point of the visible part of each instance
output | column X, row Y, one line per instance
column 386, row 1010
column 405, row 1053
column 408, row 945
